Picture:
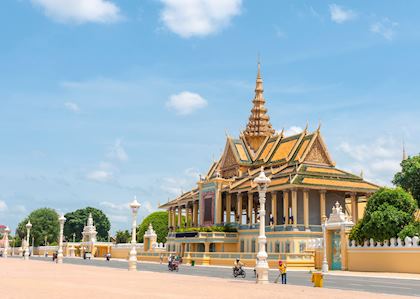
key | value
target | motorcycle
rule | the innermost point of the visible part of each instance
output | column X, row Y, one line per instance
column 239, row 272
column 173, row 266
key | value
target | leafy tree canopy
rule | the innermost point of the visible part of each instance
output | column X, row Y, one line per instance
column 387, row 212
column 76, row 221
column 122, row 236
column 44, row 224
column 409, row 177
column 159, row 220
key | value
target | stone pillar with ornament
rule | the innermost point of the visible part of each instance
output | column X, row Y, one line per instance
column 150, row 239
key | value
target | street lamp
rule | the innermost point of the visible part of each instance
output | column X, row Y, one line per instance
column 325, row 261
column 132, row 261
column 262, row 266
column 62, row 219
column 6, row 240
column 28, row 229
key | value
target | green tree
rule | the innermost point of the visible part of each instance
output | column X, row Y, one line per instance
column 387, row 212
column 409, row 177
column 122, row 236
column 44, row 224
column 76, row 221
column 159, row 220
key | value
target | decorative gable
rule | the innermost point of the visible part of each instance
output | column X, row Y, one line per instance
column 229, row 167
column 317, row 154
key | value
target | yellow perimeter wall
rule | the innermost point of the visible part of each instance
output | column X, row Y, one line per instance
column 403, row 260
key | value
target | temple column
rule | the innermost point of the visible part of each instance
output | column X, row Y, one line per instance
column 173, row 217
column 322, row 205
column 250, row 207
column 274, row 206
column 306, row 209
column 179, row 216
column 189, row 216
column 286, row 207
column 195, row 213
column 219, row 210
column 169, row 218
column 354, row 207
column 239, row 207
column 294, row 209
column 228, row 206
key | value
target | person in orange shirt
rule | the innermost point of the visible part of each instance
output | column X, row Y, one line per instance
column 283, row 271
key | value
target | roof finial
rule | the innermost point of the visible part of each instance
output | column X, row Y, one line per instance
column 319, row 127
column 306, row 128
column 258, row 127
column 404, row 157
column 361, row 173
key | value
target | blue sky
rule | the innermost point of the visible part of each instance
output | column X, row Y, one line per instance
column 102, row 100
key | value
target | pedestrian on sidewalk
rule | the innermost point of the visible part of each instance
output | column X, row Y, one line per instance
column 282, row 273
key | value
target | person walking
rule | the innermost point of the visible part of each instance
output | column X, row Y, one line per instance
column 282, row 273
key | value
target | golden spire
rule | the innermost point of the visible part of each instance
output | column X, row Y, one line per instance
column 258, row 127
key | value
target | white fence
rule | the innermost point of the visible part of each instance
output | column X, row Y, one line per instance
column 392, row 243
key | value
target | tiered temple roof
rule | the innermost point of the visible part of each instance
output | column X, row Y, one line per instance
column 301, row 160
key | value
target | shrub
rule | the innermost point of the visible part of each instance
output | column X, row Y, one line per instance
column 387, row 212
column 410, row 230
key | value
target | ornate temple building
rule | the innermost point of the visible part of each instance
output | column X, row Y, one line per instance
column 305, row 185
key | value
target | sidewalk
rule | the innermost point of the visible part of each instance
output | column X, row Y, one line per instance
column 36, row 279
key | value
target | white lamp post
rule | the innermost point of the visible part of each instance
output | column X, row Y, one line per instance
column 6, row 240
column 132, row 261
column 325, row 261
column 262, row 266
column 62, row 219
column 28, row 229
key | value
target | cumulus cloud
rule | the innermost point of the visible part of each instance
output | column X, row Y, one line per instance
column 175, row 185
column 148, row 207
column 293, row 130
column 117, row 151
column 189, row 18
column 186, row 102
column 379, row 160
column 80, row 11
column 3, row 206
column 73, row 107
column 340, row 15
column 385, row 28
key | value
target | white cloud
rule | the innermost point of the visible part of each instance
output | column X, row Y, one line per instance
column 148, row 207
column 385, row 28
column 117, row 151
column 189, row 18
column 100, row 176
column 381, row 148
column 293, row 130
column 80, row 11
column 379, row 159
column 3, row 206
column 340, row 15
column 186, row 102
column 73, row 107
column 176, row 185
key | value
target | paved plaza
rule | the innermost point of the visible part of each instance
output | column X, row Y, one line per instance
column 40, row 278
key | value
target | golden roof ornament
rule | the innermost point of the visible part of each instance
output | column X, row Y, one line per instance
column 259, row 126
